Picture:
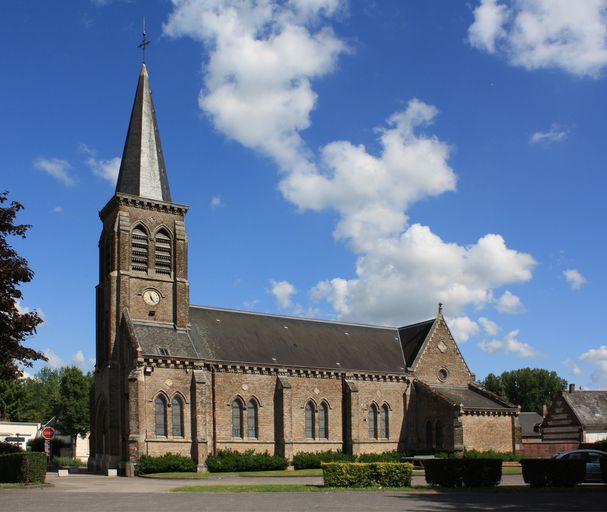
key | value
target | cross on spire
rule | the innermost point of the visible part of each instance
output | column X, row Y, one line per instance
column 144, row 41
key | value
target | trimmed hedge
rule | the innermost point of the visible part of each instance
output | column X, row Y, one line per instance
column 393, row 456
column 37, row 445
column 167, row 463
column 361, row 474
column 463, row 472
column 8, row 448
column 229, row 460
column 490, row 454
column 23, row 467
column 553, row 472
column 307, row 460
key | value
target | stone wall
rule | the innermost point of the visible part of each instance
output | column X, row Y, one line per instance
column 488, row 432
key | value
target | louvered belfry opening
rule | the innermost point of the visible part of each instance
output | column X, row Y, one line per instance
column 163, row 253
column 139, row 250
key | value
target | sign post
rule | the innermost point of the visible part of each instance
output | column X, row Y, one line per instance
column 48, row 433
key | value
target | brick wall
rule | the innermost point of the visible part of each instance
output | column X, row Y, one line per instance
column 545, row 449
column 488, row 432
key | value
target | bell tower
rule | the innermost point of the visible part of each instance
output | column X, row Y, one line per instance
column 143, row 245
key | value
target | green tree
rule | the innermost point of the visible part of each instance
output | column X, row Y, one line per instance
column 530, row 388
column 73, row 406
column 15, row 325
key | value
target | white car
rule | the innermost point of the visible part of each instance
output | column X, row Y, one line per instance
column 592, row 459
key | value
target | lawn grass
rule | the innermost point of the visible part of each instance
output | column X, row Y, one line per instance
column 206, row 474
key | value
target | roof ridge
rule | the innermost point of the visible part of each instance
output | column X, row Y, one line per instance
column 290, row 317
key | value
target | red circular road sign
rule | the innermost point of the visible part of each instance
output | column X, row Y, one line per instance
column 48, row 433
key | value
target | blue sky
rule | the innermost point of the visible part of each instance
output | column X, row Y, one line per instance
column 342, row 160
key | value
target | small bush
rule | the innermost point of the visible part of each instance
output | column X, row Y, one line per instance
column 393, row 456
column 307, row 460
column 463, row 472
column 68, row 462
column 490, row 454
column 229, row 460
column 361, row 474
column 8, row 448
column 23, row 467
column 553, row 472
column 167, row 463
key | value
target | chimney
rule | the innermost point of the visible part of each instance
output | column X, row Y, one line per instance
column 571, row 388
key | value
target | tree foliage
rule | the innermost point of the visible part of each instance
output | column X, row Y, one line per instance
column 530, row 388
column 73, row 406
column 15, row 325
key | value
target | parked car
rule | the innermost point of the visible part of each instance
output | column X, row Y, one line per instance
column 592, row 459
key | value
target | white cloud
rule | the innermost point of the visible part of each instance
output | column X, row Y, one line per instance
column 489, row 326
column 574, row 278
column 598, row 358
column 555, row 134
column 510, row 344
column 216, row 202
column 258, row 91
column 57, row 168
column 57, row 209
column 54, row 361
column 106, row 169
column 539, row 34
column 509, row 303
column 462, row 328
column 22, row 309
column 82, row 362
column 283, row 291
column 573, row 368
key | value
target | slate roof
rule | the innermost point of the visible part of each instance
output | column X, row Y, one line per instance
column 470, row 397
column 590, row 407
column 412, row 338
column 142, row 169
column 153, row 337
column 528, row 422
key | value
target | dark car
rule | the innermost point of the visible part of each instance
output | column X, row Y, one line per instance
column 592, row 459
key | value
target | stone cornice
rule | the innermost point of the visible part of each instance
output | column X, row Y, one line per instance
column 144, row 203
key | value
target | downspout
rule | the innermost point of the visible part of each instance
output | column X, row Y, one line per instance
column 214, row 408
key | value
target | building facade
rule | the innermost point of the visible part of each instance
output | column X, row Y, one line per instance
column 175, row 377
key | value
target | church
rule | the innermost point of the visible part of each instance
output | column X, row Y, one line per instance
column 174, row 377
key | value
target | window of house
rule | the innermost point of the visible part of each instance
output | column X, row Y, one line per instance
column 310, row 423
column 373, row 421
column 439, row 434
column 163, row 258
column 160, row 409
column 177, row 416
column 237, row 417
column 252, row 420
column 139, row 249
column 384, row 422
column 323, row 421
column 429, row 435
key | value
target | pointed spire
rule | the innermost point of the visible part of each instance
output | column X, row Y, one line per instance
column 142, row 170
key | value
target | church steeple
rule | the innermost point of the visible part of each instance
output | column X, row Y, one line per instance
column 142, row 170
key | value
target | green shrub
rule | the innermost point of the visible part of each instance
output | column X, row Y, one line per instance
column 23, row 467
column 361, row 474
column 8, row 448
column 392, row 456
column 167, row 463
column 490, row 454
column 553, row 472
column 230, row 460
column 37, row 445
column 68, row 462
column 463, row 472
column 307, row 460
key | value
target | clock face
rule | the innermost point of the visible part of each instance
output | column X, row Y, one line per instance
column 151, row 297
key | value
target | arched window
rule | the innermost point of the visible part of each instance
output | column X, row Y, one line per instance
column 139, row 249
column 384, row 422
column 429, row 435
column 310, row 423
column 163, row 257
column 373, row 421
column 237, row 410
column 177, row 414
column 252, row 420
column 439, row 435
column 160, row 406
column 323, row 421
